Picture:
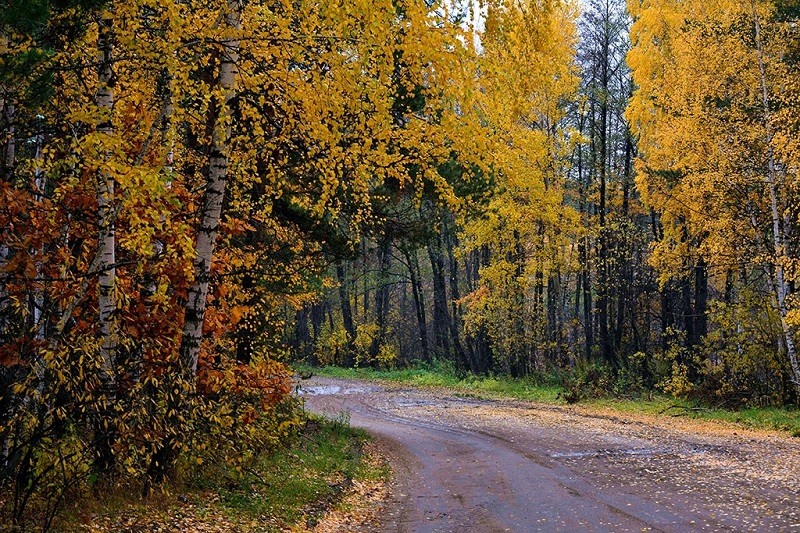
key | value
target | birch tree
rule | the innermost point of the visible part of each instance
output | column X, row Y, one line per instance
column 711, row 78
column 216, row 180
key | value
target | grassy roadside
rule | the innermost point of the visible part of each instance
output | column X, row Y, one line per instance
column 293, row 488
column 485, row 386
column 773, row 418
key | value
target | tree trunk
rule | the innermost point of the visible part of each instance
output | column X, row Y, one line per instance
column 687, row 309
column 317, row 314
column 602, row 269
column 455, row 311
column 781, row 286
column 382, row 297
column 106, row 251
column 419, row 301
column 584, row 276
column 666, row 316
column 211, row 207
column 553, row 314
column 625, row 266
column 347, row 313
column 700, row 301
column 302, row 336
column 441, row 318
column 586, row 283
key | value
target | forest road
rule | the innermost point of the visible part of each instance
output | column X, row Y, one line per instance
column 472, row 465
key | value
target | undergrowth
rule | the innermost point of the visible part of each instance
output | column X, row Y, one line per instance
column 291, row 487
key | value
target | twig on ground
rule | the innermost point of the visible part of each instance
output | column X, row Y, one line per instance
column 684, row 409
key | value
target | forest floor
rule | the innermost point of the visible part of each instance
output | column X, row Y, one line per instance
column 474, row 464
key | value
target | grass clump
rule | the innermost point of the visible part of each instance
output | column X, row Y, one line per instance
column 295, row 484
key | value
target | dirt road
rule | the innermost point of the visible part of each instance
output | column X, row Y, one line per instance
column 470, row 465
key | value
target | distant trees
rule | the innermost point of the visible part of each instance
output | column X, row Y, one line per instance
column 191, row 193
column 523, row 235
column 445, row 264
column 634, row 208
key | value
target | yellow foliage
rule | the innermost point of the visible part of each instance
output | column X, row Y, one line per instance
column 526, row 76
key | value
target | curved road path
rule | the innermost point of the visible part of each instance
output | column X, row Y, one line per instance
column 469, row 465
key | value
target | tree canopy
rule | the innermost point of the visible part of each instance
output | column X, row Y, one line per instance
column 193, row 195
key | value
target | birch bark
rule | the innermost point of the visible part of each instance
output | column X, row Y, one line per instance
column 106, row 242
column 211, row 208
column 780, row 227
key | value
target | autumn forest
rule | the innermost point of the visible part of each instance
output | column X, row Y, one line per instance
column 195, row 196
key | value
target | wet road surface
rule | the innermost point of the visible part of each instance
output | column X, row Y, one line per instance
column 470, row 465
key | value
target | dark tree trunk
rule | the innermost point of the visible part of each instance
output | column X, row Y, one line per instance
column 419, row 301
column 666, row 316
column 586, row 282
column 455, row 295
column 700, row 301
column 302, row 338
column 441, row 318
column 317, row 319
column 552, row 319
column 347, row 313
column 729, row 280
column 687, row 310
column 382, row 297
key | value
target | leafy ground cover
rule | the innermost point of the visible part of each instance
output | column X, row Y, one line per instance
column 546, row 390
column 321, row 476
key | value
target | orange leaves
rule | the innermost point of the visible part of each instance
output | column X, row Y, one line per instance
column 236, row 226
column 10, row 353
column 237, row 313
column 263, row 385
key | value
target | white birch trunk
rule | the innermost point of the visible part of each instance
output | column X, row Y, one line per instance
column 211, row 208
column 106, row 245
column 780, row 235
column 40, row 183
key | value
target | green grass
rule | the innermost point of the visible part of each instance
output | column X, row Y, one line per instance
column 763, row 417
column 299, row 483
column 548, row 391
column 759, row 418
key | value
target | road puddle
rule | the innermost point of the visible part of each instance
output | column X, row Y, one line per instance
column 320, row 390
column 608, row 453
column 331, row 390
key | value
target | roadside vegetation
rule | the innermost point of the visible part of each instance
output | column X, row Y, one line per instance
column 556, row 389
column 292, row 487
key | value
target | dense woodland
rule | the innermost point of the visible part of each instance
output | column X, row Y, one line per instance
column 195, row 194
